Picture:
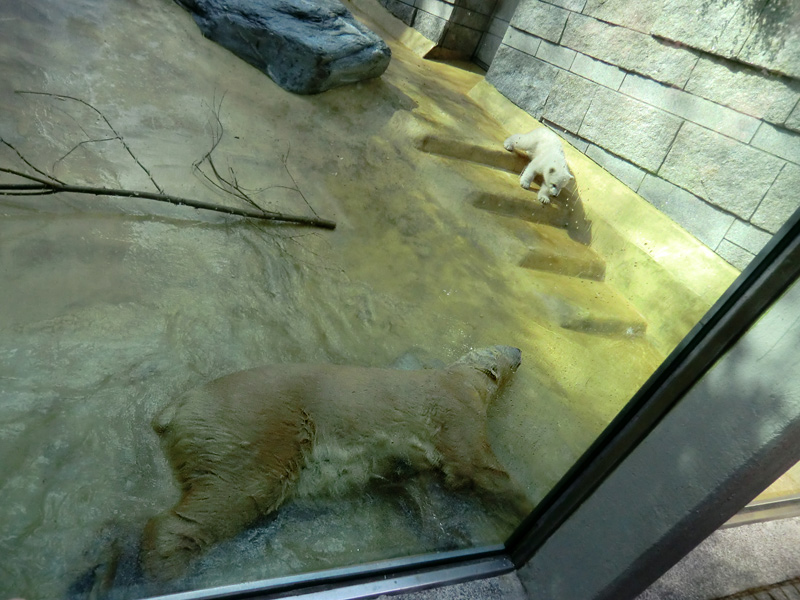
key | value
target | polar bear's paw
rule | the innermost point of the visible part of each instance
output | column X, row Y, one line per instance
column 543, row 196
column 510, row 143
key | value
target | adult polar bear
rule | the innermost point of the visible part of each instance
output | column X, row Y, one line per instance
column 544, row 149
column 243, row 444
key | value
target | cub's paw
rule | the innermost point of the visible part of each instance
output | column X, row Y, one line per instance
column 509, row 144
column 526, row 185
column 544, row 198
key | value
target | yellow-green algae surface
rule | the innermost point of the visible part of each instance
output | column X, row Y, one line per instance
column 110, row 307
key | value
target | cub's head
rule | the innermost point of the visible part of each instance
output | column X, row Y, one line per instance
column 555, row 180
column 511, row 142
column 498, row 363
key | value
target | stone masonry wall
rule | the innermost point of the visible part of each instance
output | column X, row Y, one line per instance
column 694, row 104
column 456, row 26
column 495, row 32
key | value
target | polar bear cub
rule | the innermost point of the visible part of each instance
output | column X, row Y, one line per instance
column 543, row 148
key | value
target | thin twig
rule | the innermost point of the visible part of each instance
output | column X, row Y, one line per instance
column 78, row 145
column 46, row 187
column 25, row 160
column 36, row 192
column 107, row 122
column 229, row 186
column 285, row 160
column 44, row 182
column 21, row 186
column 222, row 184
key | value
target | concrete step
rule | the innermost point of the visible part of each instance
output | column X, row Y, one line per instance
column 505, row 197
column 491, row 156
column 552, row 250
column 587, row 306
column 566, row 273
column 520, row 204
column 548, row 247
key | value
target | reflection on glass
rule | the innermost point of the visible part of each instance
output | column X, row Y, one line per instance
column 444, row 355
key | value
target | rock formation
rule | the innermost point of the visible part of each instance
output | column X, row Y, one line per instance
column 305, row 46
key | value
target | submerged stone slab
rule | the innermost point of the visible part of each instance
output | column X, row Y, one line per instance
column 569, row 100
column 778, row 141
column 748, row 237
column 304, row 46
column 431, row 26
column 775, row 40
column 690, row 107
column 598, row 71
column 541, row 19
column 707, row 223
column 736, row 256
column 626, row 172
column 402, row 10
column 639, row 16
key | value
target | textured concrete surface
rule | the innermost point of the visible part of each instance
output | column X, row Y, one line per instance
column 733, row 560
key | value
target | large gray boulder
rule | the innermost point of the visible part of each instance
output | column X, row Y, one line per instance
column 305, row 46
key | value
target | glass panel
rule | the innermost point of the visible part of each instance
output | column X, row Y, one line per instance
column 434, row 364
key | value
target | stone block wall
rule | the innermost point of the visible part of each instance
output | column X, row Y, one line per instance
column 456, row 26
column 693, row 104
column 495, row 32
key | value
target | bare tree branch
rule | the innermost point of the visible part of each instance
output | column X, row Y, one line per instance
column 44, row 187
column 48, row 184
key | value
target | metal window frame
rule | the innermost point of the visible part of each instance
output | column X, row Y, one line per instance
column 771, row 272
column 368, row 580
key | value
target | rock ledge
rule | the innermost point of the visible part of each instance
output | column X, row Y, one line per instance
column 305, row 46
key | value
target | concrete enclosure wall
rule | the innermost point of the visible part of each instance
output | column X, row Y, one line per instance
column 457, row 26
column 694, row 105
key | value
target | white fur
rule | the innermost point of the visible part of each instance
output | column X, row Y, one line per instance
column 543, row 148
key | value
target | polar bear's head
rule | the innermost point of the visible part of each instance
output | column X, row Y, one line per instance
column 498, row 363
column 555, row 179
